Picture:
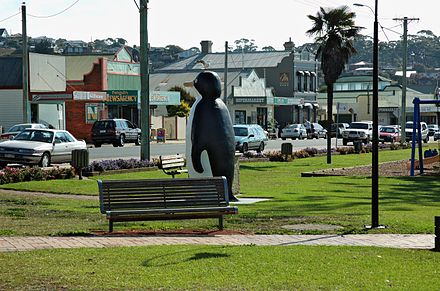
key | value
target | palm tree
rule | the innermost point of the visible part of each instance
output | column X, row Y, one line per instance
column 334, row 30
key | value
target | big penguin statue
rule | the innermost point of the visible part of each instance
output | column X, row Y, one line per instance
column 210, row 135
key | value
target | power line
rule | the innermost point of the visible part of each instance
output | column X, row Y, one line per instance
column 9, row 17
column 58, row 13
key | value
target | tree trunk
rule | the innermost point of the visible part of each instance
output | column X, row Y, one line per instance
column 329, row 122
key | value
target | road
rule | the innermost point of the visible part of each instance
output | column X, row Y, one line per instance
column 178, row 147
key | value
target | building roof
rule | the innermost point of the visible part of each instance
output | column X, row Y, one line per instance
column 216, row 61
column 11, row 73
column 165, row 81
column 360, row 78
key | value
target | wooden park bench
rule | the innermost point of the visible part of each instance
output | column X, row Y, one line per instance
column 172, row 165
column 164, row 199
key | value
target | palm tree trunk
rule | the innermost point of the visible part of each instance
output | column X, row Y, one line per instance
column 329, row 122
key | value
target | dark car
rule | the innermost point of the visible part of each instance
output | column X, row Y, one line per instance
column 116, row 132
column 315, row 130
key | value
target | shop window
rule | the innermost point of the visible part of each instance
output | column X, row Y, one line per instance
column 240, row 117
column 299, row 83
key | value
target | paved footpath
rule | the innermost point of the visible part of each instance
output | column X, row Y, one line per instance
column 407, row 241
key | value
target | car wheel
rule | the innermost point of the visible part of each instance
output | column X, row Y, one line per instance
column 97, row 145
column 260, row 148
column 45, row 160
column 426, row 140
column 244, row 148
column 344, row 142
column 121, row 141
column 138, row 140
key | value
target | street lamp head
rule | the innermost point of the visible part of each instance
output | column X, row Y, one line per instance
column 358, row 4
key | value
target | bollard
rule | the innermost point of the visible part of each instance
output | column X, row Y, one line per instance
column 437, row 234
column 357, row 146
column 80, row 160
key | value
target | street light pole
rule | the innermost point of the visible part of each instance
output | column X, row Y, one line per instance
column 375, row 153
column 145, row 82
column 375, row 109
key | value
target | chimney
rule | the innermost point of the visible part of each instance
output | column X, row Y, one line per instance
column 206, row 46
column 289, row 45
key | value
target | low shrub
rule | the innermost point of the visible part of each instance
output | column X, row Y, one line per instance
column 345, row 150
column 276, row 156
column 311, row 151
column 15, row 175
column 301, row 154
column 119, row 164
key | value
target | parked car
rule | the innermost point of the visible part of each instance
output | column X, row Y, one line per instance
column 389, row 134
column 437, row 136
column 39, row 147
column 358, row 131
column 409, row 131
column 249, row 137
column 116, row 132
column 340, row 127
column 294, row 131
column 16, row 129
column 315, row 130
column 432, row 129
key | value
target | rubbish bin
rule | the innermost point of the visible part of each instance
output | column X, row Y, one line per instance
column 357, row 146
column 80, row 160
column 286, row 149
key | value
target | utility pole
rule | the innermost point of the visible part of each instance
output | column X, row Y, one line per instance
column 25, row 62
column 404, row 84
column 225, row 77
column 145, row 82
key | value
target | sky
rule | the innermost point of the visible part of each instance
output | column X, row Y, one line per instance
column 187, row 22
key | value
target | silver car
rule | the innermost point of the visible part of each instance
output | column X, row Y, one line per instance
column 294, row 131
column 39, row 147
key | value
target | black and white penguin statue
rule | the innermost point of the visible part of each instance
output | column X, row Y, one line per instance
column 210, row 135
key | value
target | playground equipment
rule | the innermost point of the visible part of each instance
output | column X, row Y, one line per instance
column 417, row 135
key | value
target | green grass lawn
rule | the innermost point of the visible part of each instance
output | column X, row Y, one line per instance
column 407, row 204
column 221, row 268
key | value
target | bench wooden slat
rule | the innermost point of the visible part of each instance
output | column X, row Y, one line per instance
column 172, row 165
column 152, row 199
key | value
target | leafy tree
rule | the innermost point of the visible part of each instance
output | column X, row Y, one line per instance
column 268, row 49
column 43, row 47
column 186, row 101
column 245, row 45
column 334, row 30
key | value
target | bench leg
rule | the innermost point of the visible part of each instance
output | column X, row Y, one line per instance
column 220, row 222
column 110, row 226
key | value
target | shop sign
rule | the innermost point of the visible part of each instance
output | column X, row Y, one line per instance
column 121, row 97
column 91, row 112
column 82, row 95
column 164, row 98
column 50, row 97
column 281, row 101
column 249, row 100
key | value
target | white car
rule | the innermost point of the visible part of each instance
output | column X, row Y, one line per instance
column 294, row 131
column 39, row 147
column 358, row 131
column 409, row 131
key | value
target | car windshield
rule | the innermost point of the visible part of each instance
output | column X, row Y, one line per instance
column 35, row 135
column 19, row 127
column 240, row 131
column 409, row 125
column 294, row 125
column 359, row 126
column 388, row 129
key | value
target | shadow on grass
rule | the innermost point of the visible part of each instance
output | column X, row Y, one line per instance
column 170, row 259
column 200, row 256
column 257, row 168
